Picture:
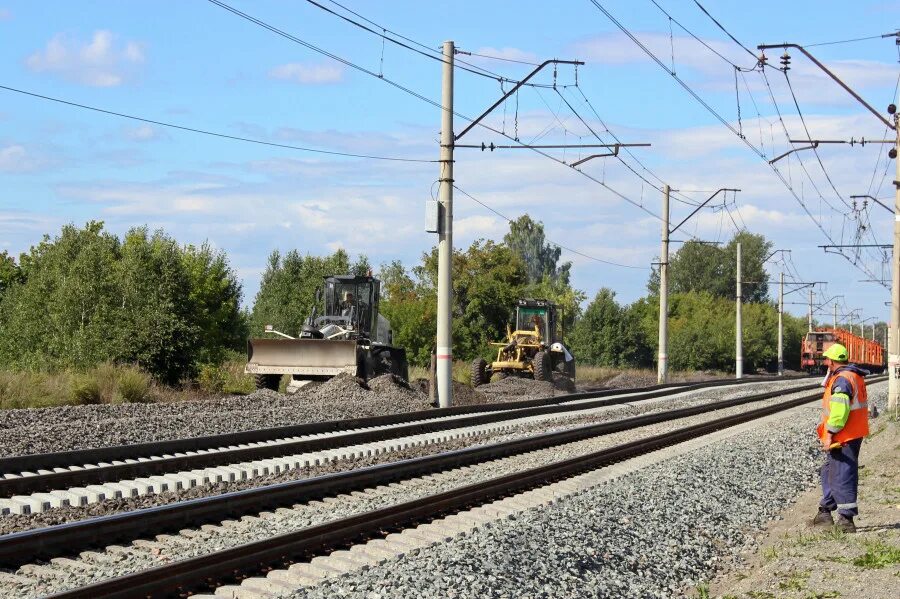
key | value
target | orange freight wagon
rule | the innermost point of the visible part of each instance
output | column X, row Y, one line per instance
column 863, row 352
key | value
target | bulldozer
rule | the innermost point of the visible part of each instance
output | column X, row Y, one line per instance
column 349, row 336
column 534, row 349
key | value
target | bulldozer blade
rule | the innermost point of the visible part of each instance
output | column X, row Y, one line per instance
column 311, row 357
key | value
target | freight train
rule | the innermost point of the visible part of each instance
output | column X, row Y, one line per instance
column 865, row 353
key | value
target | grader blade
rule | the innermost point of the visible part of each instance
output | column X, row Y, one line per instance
column 304, row 357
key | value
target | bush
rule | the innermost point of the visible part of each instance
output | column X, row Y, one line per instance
column 227, row 377
column 133, row 386
column 86, row 390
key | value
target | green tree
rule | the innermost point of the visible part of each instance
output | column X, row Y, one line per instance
column 157, row 325
column 85, row 297
column 488, row 278
column 526, row 239
column 701, row 267
column 65, row 313
column 10, row 273
column 215, row 293
column 597, row 338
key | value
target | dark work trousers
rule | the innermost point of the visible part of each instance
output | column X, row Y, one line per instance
column 840, row 478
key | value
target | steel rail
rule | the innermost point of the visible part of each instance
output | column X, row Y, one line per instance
column 421, row 422
column 230, row 564
column 27, row 546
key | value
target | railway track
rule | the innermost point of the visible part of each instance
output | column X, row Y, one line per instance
column 36, row 483
column 278, row 551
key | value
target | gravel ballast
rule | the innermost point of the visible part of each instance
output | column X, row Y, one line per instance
column 411, row 582
column 655, row 533
column 15, row 523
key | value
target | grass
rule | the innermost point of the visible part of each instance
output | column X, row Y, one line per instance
column 796, row 581
column 103, row 384
column 118, row 383
column 878, row 555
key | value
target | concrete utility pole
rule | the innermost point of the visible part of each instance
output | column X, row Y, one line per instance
column 894, row 324
column 781, row 327
column 662, row 360
column 809, row 314
column 738, row 329
column 444, row 371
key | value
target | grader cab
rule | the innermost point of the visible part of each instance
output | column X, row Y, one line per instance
column 533, row 349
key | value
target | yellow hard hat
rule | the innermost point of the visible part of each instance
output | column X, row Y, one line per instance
column 836, row 352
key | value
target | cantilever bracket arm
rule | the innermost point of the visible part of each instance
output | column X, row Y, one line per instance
column 814, row 145
column 615, row 152
column 696, row 210
column 833, row 76
column 514, row 89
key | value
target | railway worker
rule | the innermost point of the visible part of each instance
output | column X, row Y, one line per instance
column 845, row 421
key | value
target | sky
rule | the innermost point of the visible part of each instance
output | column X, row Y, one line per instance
column 196, row 65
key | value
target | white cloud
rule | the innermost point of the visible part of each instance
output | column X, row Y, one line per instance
column 306, row 73
column 143, row 133
column 16, row 158
column 97, row 63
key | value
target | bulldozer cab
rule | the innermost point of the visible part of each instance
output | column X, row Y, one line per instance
column 352, row 302
column 537, row 313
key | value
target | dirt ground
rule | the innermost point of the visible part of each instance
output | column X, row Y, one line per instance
column 797, row 561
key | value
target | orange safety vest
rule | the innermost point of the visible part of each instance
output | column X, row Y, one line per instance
column 857, row 425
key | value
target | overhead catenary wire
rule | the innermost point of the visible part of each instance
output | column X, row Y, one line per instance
column 206, row 131
column 699, row 39
column 551, row 242
column 420, row 96
column 719, row 117
column 808, row 136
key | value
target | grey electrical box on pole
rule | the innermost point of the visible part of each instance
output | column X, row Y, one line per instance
column 444, row 356
column 738, row 328
column 663, row 358
column 781, row 327
column 432, row 216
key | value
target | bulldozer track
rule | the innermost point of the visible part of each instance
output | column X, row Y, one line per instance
column 256, row 558
column 35, row 483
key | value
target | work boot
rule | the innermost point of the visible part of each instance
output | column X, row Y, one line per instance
column 845, row 523
column 823, row 518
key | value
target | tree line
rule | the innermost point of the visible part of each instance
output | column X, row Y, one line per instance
column 86, row 297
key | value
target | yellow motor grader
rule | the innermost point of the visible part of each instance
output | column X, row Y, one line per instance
column 534, row 349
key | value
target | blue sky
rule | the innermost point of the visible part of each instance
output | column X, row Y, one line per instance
column 193, row 63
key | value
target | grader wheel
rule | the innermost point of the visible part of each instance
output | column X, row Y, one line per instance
column 479, row 372
column 542, row 366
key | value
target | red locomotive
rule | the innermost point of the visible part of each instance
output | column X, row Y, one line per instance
column 865, row 353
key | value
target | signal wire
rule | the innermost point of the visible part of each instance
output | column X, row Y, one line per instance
column 207, row 132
